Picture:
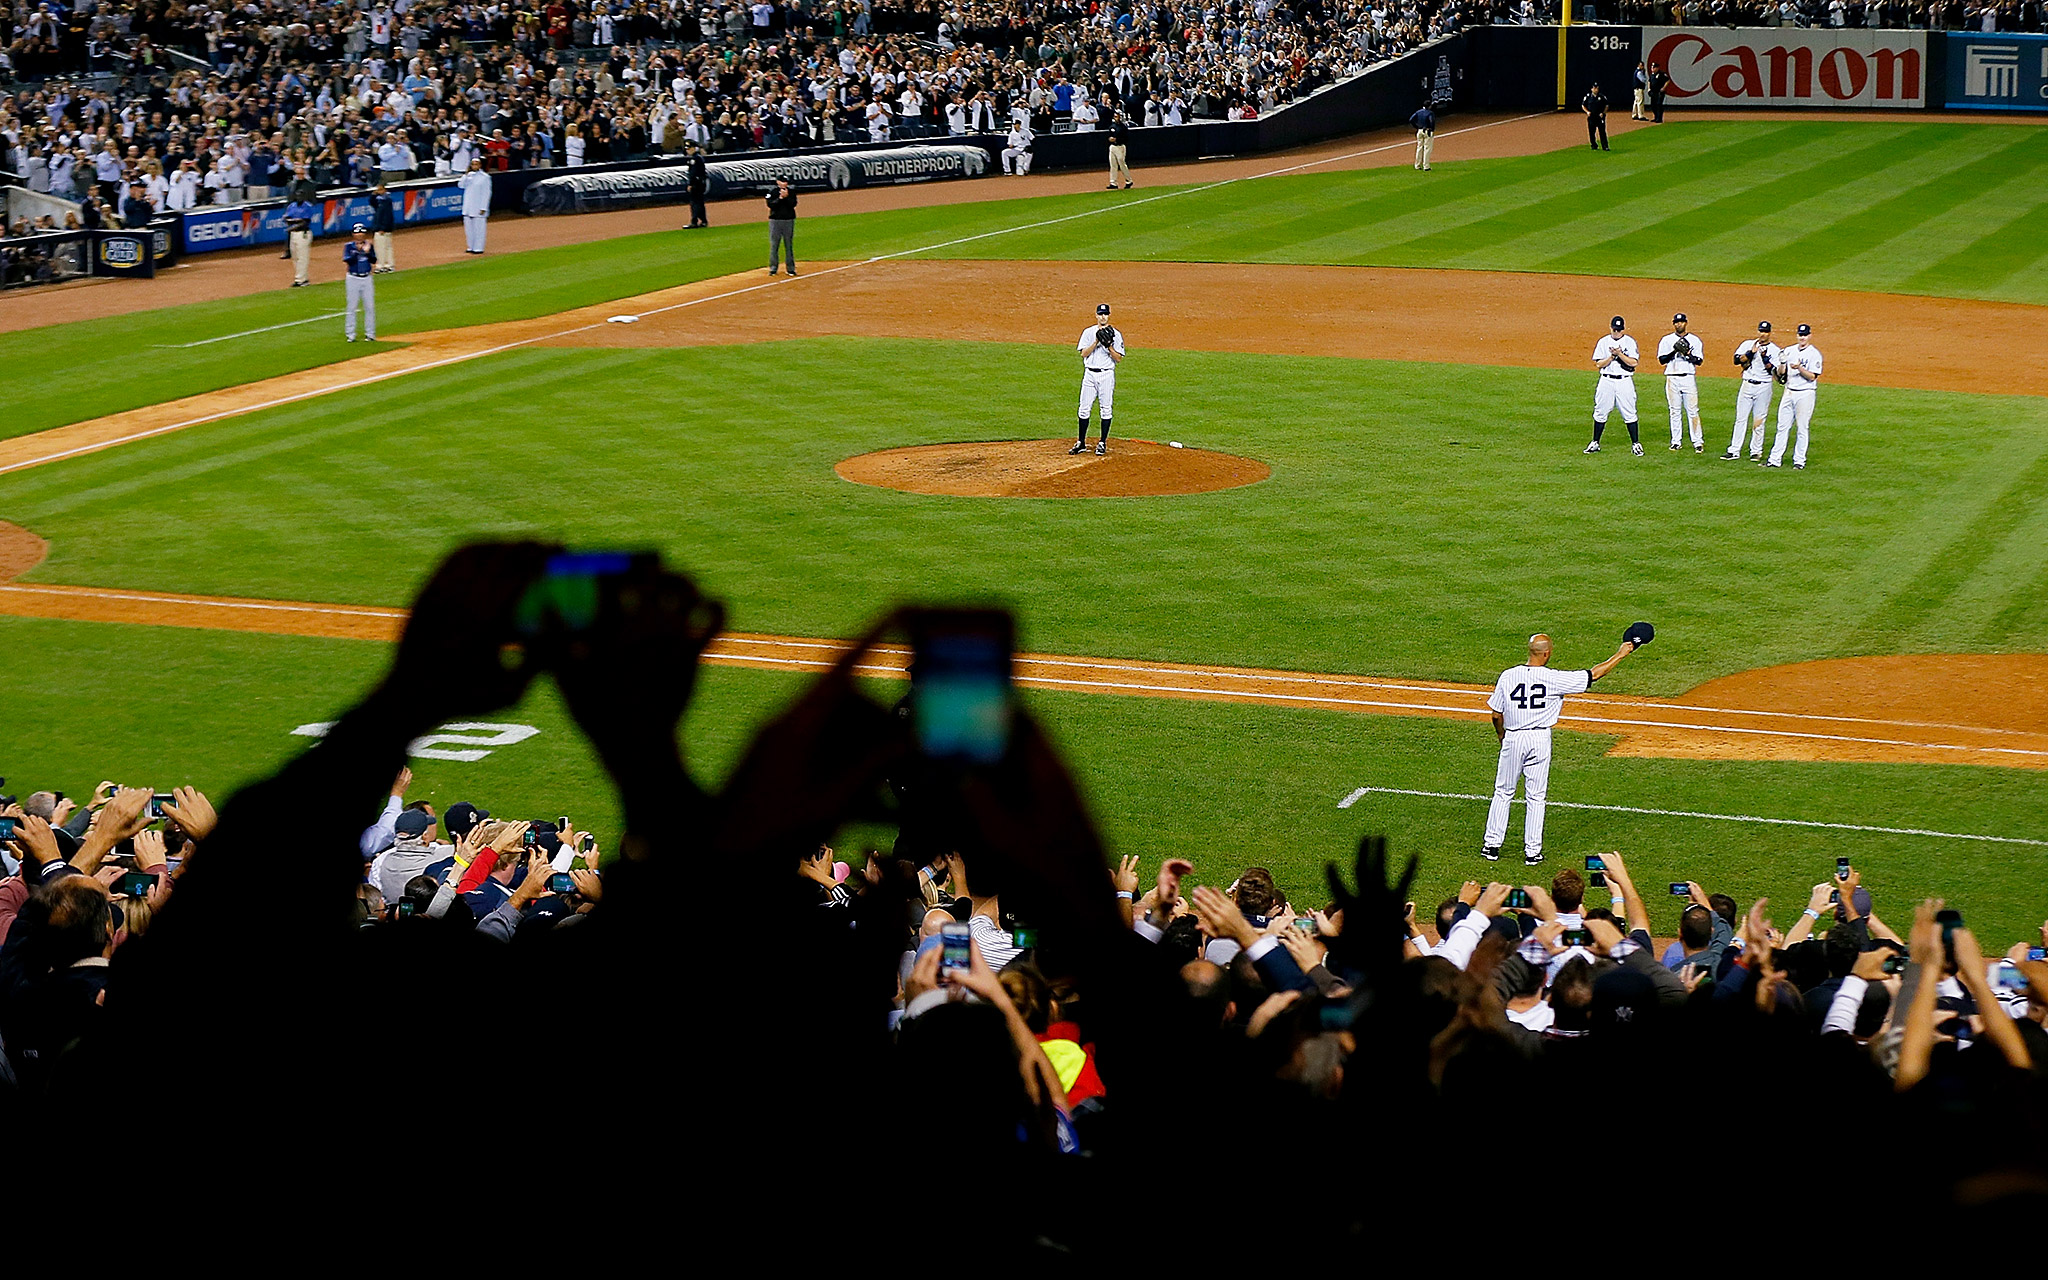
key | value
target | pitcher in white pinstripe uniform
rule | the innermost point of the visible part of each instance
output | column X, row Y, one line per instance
column 1525, row 703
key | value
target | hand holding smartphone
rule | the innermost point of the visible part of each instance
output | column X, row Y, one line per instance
column 961, row 695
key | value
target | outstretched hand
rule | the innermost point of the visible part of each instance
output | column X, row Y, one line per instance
column 1375, row 929
column 459, row 653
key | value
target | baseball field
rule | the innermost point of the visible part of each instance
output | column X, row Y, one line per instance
column 1252, row 649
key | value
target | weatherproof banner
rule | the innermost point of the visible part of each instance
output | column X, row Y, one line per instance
column 1789, row 67
column 2002, row 72
column 824, row 171
column 239, row 226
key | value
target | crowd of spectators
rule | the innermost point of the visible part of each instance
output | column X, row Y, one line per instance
column 1933, row 15
column 989, row 1002
column 255, row 94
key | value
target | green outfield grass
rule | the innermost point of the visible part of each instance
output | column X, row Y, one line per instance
column 1386, row 542
column 1958, row 209
column 1224, row 786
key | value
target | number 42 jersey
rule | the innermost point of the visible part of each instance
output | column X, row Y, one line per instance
column 1530, row 697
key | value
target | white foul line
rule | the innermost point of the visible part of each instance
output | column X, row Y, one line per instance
column 246, row 333
column 1362, row 792
column 732, row 293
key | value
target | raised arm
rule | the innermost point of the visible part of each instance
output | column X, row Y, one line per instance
column 1594, row 673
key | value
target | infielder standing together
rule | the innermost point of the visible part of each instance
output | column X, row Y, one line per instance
column 1615, row 357
column 1525, row 703
column 1101, row 348
column 1682, row 353
column 1799, row 365
column 1757, row 358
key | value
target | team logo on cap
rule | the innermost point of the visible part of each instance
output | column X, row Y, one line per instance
column 1617, row 324
column 1805, row 329
column 1679, row 318
column 1102, row 309
column 1763, row 326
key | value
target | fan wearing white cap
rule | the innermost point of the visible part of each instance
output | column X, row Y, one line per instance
column 1614, row 358
column 1757, row 357
column 1799, row 366
column 359, row 259
column 1101, row 348
column 1682, row 353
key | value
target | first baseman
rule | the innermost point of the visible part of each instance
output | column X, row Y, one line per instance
column 1758, row 360
column 1682, row 353
column 1799, row 366
column 359, row 257
column 1525, row 703
column 1615, row 357
column 1101, row 348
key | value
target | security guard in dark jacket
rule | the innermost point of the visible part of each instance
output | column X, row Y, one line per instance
column 781, row 225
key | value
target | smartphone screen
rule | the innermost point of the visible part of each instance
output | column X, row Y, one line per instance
column 135, row 884
column 1681, row 890
column 586, row 842
column 570, row 589
column 1841, row 868
column 157, row 803
column 1519, row 898
column 2037, row 953
column 960, row 690
column 560, row 882
column 2007, row 977
column 1576, row 937
column 954, row 943
column 1594, row 862
column 6, row 828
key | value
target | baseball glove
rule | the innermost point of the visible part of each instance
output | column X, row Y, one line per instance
column 1105, row 336
column 1639, row 634
column 1780, row 372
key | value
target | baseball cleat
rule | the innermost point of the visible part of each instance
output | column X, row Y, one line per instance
column 1491, row 855
column 1799, row 466
column 1731, row 456
column 1532, row 859
column 1773, row 464
column 1079, row 448
column 1674, row 448
column 1101, row 448
column 1593, row 447
column 1756, row 457
column 1112, row 186
column 1639, row 451
column 1699, row 448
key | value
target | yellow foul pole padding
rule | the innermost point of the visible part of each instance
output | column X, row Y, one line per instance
column 1564, row 20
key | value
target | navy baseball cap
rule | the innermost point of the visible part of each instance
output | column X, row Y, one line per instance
column 1617, row 324
column 1763, row 326
column 1805, row 329
column 412, row 823
column 1102, row 308
column 358, row 229
column 1679, row 318
column 462, row 818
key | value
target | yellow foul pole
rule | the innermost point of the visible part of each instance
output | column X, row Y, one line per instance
column 1564, row 20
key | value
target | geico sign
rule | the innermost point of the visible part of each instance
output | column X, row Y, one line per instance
column 222, row 229
column 1792, row 68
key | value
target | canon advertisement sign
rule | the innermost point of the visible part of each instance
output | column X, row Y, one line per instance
column 1788, row 67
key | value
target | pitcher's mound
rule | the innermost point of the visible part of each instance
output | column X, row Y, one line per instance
column 1044, row 469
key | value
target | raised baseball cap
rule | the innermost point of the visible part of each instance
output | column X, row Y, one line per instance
column 1102, row 308
column 1763, row 326
column 1617, row 324
column 1679, row 318
column 358, row 229
column 1805, row 329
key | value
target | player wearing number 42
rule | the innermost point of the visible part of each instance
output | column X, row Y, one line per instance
column 1525, row 703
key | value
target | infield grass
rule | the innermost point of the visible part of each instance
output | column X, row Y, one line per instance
column 1387, row 541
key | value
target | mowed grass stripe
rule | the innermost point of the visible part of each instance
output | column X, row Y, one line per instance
column 1845, row 162
column 1953, row 183
column 1890, row 264
column 1992, row 258
column 1925, row 598
column 1483, row 241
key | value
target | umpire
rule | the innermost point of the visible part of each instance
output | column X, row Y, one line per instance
column 781, row 226
column 1594, row 104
